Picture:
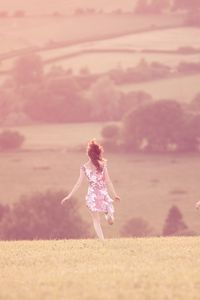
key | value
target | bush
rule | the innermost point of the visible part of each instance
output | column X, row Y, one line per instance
column 10, row 140
column 111, row 137
column 41, row 216
column 137, row 227
column 110, row 132
column 4, row 209
column 174, row 223
column 19, row 14
column 193, row 18
column 3, row 14
column 195, row 103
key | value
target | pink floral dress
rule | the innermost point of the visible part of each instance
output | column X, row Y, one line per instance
column 97, row 198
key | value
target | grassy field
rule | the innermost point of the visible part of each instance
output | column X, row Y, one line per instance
column 38, row 31
column 114, row 60
column 63, row 6
column 153, row 269
column 58, row 136
column 182, row 88
column 148, row 185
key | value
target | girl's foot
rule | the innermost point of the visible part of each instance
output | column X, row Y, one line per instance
column 109, row 218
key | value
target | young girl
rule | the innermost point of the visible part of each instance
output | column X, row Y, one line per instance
column 97, row 199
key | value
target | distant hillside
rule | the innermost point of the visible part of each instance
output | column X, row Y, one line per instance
column 64, row 6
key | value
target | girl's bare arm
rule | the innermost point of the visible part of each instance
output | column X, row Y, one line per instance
column 110, row 184
column 76, row 186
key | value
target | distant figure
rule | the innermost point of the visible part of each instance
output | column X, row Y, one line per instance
column 198, row 205
column 97, row 199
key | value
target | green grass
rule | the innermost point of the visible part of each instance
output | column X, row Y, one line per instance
column 153, row 269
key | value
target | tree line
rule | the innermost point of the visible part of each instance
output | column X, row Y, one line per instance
column 30, row 96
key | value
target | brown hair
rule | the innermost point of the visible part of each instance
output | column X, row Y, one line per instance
column 94, row 151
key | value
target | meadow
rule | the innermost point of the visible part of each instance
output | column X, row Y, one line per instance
column 183, row 88
column 63, row 6
column 19, row 33
column 148, row 184
column 154, row 268
column 112, row 60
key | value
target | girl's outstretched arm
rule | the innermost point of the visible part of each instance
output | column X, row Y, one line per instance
column 76, row 186
column 110, row 184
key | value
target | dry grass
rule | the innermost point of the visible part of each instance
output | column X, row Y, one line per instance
column 159, row 268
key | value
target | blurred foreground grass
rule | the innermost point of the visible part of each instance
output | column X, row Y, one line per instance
column 154, row 268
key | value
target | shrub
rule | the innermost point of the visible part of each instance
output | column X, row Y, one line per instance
column 110, row 131
column 111, row 137
column 4, row 209
column 174, row 223
column 10, row 140
column 19, row 14
column 136, row 227
column 41, row 216
column 195, row 103
column 3, row 14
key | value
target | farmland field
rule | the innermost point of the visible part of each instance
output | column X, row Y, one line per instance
column 41, row 7
column 39, row 31
column 157, row 268
column 148, row 185
column 158, row 40
column 182, row 88
column 163, row 39
column 113, row 60
column 58, row 136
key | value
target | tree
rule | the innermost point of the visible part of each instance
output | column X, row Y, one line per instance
column 10, row 140
column 158, row 125
column 187, row 4
column 104, row 98
column 110, row 131
column 195, row 103
column 4, row 209
column 111, row 136
column 174, row 222
column 141, row 6
column 41, row 216
column 133, row 100
column 152, row 6
column 28, row 69
column 136, row 227
column 190, row 134
column 57, row 100
column 193, row 18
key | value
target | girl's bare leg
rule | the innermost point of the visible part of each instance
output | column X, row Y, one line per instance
column 97, row 225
